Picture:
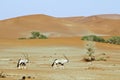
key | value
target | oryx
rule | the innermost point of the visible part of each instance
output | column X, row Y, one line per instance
column 22, row 62
column 60, row 62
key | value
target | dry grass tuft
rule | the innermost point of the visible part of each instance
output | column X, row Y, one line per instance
column 2, row 75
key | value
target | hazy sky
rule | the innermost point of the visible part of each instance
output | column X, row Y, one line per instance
column 58, row 8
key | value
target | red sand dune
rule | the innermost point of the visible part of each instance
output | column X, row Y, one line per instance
column 51, row 26
column 107, row 24
column 59, row 27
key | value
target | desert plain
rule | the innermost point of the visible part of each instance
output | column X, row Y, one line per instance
column 42, row 52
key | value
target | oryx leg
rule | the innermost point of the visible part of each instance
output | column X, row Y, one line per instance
column 19, row 67
column 55, row 66
column 61, row 66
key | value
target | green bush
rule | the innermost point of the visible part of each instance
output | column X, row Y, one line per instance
column 101, row 59
column 42, row 36
column 93, row 38
column 32, row 38
column 114, row 40
column 22, row 38
column 37, row 35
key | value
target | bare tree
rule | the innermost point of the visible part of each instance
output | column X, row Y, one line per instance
column 90, row 47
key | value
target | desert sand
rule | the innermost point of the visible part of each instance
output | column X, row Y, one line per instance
column 103, row 25
column 64, row 38
column 42, row 53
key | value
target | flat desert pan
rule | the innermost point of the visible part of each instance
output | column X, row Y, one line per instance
column 42, row 53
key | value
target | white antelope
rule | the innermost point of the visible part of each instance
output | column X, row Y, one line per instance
column 22, row 63
column 60, row 63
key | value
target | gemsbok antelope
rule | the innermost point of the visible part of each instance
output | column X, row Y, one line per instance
column 22, row 62
column 59, row 63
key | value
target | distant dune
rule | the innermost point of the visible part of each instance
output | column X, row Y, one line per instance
column 60, row 27
column 106, row 24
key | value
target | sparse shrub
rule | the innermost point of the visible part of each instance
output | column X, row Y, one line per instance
column 90, row 47
column 2, row 75
column 114, row 40
column 89, row 58
column 31, row 38
column 22, row 38
column 101, row 59
column 42, row 36
column 37, row 35
column 93, row 38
